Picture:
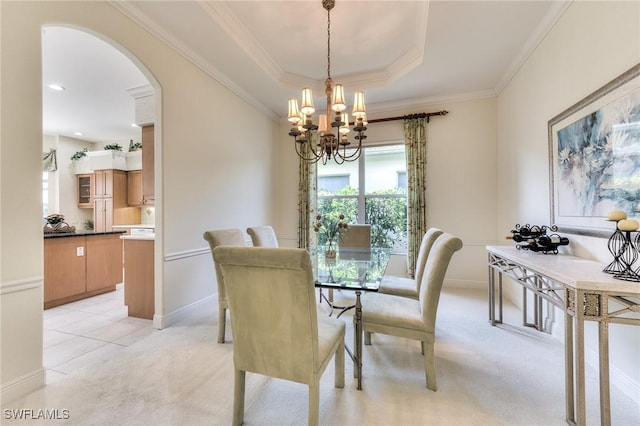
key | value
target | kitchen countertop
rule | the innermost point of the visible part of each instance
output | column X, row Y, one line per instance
column 79, row 234
column 140, row 226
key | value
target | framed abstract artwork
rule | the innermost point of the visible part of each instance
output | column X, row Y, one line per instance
column 594, row 156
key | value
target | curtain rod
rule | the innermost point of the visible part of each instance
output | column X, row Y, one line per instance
column 426, row 115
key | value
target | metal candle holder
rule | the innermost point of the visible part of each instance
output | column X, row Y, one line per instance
column 628, row 255
column 616, row 245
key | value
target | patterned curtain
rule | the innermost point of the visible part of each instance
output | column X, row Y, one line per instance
column 49, row 161
column 307, row 189
column 416, row 148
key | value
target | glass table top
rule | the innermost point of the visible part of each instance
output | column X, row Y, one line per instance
column 355, row 269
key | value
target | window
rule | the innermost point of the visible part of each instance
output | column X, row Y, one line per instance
column 370, row 190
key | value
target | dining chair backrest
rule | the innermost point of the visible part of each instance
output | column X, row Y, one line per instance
column 426, row 244
column 356, row 236
column 263, row 236
column 227, row 237
column 433, row 277
column 273, row 310
column 215, row 238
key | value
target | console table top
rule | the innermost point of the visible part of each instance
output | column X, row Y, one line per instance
column 572, row 271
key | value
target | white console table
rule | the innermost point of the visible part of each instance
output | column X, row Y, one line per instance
column 582, row 291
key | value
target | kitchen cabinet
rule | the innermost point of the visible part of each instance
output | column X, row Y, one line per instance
column 104, row 261
column 85, row 191
column 148, row 171
column 110, row 200
column 134, row 188
column 81, row 265
column 64, row 270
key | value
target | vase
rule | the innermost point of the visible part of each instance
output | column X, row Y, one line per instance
column 330, row 252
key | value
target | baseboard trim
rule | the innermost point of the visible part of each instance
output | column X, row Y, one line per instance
column 22, row 386
column 167, row 320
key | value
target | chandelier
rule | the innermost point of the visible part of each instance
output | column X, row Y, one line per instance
column 318, row 142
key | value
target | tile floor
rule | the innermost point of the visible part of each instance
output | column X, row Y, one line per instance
column 82, row 333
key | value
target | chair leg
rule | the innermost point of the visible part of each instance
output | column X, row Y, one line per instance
column 314, row 404
column 330, row 291
column 367, row 337
column 430, row 366
column 355, row 345
column 339, row 365
column 222, row 318
column 238, row 397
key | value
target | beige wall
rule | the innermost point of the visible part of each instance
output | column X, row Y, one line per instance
column 202, row 165
column 591, row 44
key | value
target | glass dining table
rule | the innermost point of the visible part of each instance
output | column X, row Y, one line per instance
column 357, row 270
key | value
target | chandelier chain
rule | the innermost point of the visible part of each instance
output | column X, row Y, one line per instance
column 329, row 43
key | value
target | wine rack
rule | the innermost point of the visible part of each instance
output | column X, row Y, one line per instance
column 536, row 238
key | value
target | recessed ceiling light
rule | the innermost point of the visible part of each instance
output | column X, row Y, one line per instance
column 134, row 125
column 56, row 87
column 78, row 133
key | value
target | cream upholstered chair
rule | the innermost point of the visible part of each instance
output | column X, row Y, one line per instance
column 263, row 236
column 409, row 318
column 355, row 236
column 276, row 328
column 230, row 237
column 410, row 287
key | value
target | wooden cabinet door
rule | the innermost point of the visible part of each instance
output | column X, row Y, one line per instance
column 103, row 183
column 85, row 191
column 103, row 214
column 64, row 270
column 134, row 188
column 104, row 261
column 148, row 171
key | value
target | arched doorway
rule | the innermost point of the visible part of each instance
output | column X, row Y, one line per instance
column 101, row 83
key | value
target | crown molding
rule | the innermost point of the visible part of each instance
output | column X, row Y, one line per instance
column 544, row 27
column 236, row 29
column 139, row 18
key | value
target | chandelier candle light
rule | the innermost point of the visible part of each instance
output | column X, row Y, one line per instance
column 303, row 130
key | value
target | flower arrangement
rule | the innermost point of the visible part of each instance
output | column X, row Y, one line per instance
column 54, row 218
column 79, row 154
column 113, row 147
column 331, row 229
column 134, row 146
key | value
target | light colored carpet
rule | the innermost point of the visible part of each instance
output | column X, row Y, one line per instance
column 504, row 375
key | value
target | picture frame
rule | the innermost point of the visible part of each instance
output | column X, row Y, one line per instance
column 594, row 158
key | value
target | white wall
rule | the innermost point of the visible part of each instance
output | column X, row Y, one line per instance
column 203, row 179
column 461, row 180
column 592, row 43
